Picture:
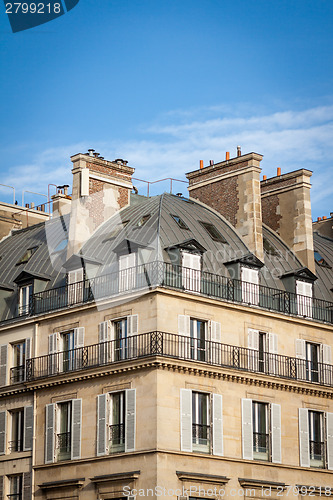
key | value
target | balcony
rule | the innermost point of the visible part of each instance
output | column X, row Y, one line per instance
column 201, row 437
column 317, row 453
column 17, row 374
column 177, row 347
column 63, row 446
column 116, row 438
column 151, row 275
column 260, row 446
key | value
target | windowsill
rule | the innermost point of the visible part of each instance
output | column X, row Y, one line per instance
column 263, row 456
column 201, row 448
column 117, row 449
column 14, row 455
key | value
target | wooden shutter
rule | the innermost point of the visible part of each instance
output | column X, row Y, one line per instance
column 3, row 429
column 28, row 427
column 273, row 364
column 130, row 418
column 304, row 292
column 272, row 343
column 3, row 364
column 247, row 429
column 102, row 400
column 27, row 485
column 76, row 428
column 217, row 411
column 329, row 438
column 276, row 432
column 300, row 348
column 53, row 343
column 28, row 345
column 132, row 325
column 50, row 433
column 104, row 336
column 303, row 425
column 78, row 337
column 186, row 420
column 215, row 331
column 253, row 344
column 184, row 329
column 326, row 354
column 326, row 359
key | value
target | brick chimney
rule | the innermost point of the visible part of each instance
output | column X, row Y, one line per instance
column 232, row 188
column 286, row 208
column 100, row 188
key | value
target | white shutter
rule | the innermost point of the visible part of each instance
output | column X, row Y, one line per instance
column 3, row 429
column 215, row 331
column 273, row 363
column 132, row 325
column 76, row 429
column 300, row 348
column 253, row 344
column 247, row 429
column 217, row 425
column 304, row 292
column 49, row 433
column 184, row 329
column 28, row 427
column 326, row 354
column 78, row 337
column 250, row 285
column 53, row 343
column 303, row 424
column 326, row 367
column 28, row 344
column 191, row 275
column 104, row 336
column 3, row 364
column 329, row 437
column 215, row 337
column 127, row 272
column 186, row 419
column 130, row 418
column 276, row 433
column 102, row 400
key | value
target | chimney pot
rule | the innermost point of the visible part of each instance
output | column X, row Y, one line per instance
column 96, row 155
column 27, row 205
column 278, row 171
column 201, row 163
column 90, row 152
column 264, row 178
column 239, row 151
column 324, row 217
column 318, row 218
column 227, row 156
column 211, row 163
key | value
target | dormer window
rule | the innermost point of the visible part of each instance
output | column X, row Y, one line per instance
column 320, row 260
column 180, row 222
column 191, row 271
column 250, row 285
column 25, row 299
column 143, row 220
column 213, row 232
column 304, row 293
column 75, row 285
column 127, row 272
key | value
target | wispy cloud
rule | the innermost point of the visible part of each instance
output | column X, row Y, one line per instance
column 175, row 143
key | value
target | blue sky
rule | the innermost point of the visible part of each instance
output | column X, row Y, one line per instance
column 165, row 83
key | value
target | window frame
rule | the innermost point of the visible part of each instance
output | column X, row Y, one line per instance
column 25, row 299
column 199, row 423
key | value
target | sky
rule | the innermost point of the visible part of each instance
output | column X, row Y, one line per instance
column 164, row 84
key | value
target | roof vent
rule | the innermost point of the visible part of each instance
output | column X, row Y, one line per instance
column 91, row 152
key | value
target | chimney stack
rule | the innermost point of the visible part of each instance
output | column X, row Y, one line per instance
column 286, row 208
column 232, row 188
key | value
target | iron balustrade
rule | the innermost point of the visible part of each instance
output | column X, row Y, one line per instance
column 317, row 450
column 178, row 347
column 17, row 374
column 117, row 434
column 201, row 433
column 260, row 442
column 153, row 274
column 64, row 442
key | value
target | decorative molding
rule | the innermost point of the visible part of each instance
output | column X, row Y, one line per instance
column 65, row 483
column 204, row 478
column 261, row 483
column 120, row 476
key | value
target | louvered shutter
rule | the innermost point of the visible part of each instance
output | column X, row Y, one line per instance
column 217, row 410
column 303, row 424
column 3, row 429
column 186, row 420
column 132, row 325
column 127, row 271
column 329, row 437
column 102, row 400
column 49, row 433
column 250, row 285
column 326, row 359
column 28, row 345
column 1, row 487
column 132, row 331
column 104, row 349
column 3, row 364
column 184, row 330
column 78, row 337
column 253, row 344
column 276, row 432
column 28, row 427
column 273, row 363
column 27, row 486
column 247, row 429
column 76, row 428
column 53, row 349
column 300, row 348
column 130, row 419
column 304, row 292
column 215, row 337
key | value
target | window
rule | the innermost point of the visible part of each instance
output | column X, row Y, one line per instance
column 115, row 339
column 25, row 299
column 143, row 220
column 213, row 232
column 314, row 362
column 316, row 438
column 263, row 348
column 304, row 292
column 20, row 430
column 198, row 334
column 116, row 422
column 26, row 256
column 63, row 430
column 191, row 267
column 269, row 248
column 17, row 431
column 201, row 420
column 179, row 221
column 120, row 336
column 261, row 431
column 75, row 285
column 320, row 260
column 15, row 487
column 250, row 285
column 66, row 351
column 61, row 246
column 127, row 272
column 21, row 352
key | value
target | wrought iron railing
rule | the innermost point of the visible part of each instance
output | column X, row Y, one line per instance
column 17, row 374
column 201, row 433
column 178, row 347
column 260, row 442
column 64, row 442
column 317, row 450
column 117, row 434
column 150, row 275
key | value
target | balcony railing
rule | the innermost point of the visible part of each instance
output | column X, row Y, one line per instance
column 117, row 434
column 178, row 347
column 164, row 274
column 17, row 374
column 64, row 443
column 200, row 433
column 317, row 453
column 260, row 442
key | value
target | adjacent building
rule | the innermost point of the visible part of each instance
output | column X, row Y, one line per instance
column 168, row 346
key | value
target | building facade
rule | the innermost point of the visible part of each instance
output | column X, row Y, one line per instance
column 168, row 346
